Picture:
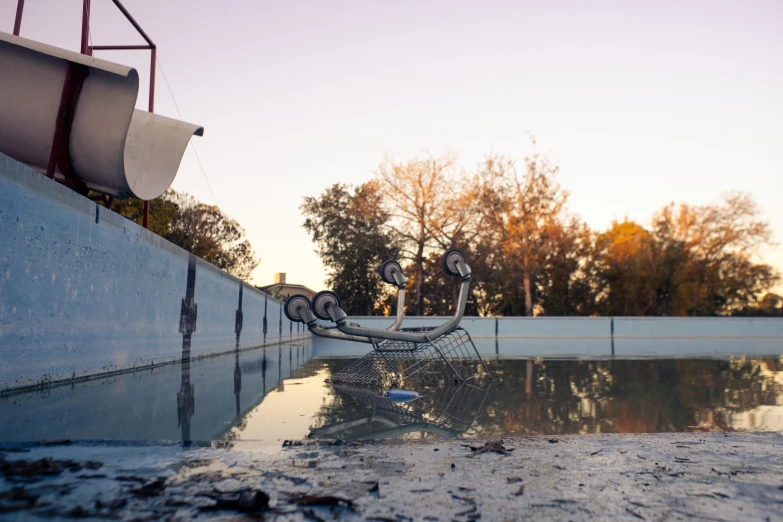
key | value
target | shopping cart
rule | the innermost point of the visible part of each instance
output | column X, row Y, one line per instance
column 402, row 357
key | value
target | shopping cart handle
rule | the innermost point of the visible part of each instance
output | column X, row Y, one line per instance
column 337, row 314
column 307, row 317
column 455, row 266
column 391, row 273
column 298, row 307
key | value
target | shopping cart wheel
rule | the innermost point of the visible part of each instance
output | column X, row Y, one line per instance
column 320, row 302
column 292, row 305
column 387, row 271
column 449, row 261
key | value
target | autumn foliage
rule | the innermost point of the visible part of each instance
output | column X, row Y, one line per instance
column 531, row 255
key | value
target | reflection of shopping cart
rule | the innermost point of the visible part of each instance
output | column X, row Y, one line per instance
column 446, row 410
column 408, row 356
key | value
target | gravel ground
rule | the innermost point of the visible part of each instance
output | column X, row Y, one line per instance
column 590, row 477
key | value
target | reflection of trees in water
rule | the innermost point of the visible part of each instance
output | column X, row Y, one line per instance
column 750, row 383
column 600, row 396
column 626, row 396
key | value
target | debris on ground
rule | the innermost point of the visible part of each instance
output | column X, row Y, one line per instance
column 701, row 477
column 131, row 478
column 151, row 489
column 326, row 500
column 17, row 499
column 490, row 447
column 246, row 501
column 111, row 505
column 34, row 470
column 59, row 442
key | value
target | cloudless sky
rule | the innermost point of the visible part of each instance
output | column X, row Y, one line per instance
column 640, row 103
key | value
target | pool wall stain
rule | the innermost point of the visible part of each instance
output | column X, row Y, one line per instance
column 81, row 296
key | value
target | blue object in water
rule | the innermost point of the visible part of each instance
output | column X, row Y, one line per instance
column 402, row 395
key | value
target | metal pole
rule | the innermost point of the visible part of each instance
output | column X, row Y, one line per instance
column 153, row 59
column 86, row 27
column 120, row 47
column 152, row 109
column 18, row 21
column 132, row 21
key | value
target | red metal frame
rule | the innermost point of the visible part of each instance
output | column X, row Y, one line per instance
column 75, row 74
column 85, row 28
column 150, row 45
column 18, row 21
column 74, row 78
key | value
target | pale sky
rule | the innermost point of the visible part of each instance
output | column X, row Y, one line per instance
column 640, row 103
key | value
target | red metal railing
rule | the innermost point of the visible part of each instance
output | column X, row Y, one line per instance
column 70, row 88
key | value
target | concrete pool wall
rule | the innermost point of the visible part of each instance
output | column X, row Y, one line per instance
column 597, row 336
column 599, row 327
column 84, row 291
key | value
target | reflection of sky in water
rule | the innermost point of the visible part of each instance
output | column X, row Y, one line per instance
column 287, row 412
column 764, row 417
column 279, row 393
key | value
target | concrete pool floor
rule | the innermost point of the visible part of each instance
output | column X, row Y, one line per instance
column 678, row 476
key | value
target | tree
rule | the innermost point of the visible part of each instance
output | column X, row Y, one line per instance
column 163, row 211
column 200, row 229
column 566, row 280
column 771, row 305
column 350, row 230
column 416, row 196
column 494, row 287
column 520, row 212
column 721, row 242
column 624, row 254
column 669, row 262
column 693, row 261
column 459, row 226
column 206, row 232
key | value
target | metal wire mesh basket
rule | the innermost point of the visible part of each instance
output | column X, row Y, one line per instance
column 450, row 358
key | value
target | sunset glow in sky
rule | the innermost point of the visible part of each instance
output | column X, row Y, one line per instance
column 640, row 103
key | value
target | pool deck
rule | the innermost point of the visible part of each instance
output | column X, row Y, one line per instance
column 702, row 476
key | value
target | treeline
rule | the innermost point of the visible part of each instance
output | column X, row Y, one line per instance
column 530, row 254
column 199, row 228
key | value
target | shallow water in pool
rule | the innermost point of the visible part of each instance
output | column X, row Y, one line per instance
column 279, row 394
